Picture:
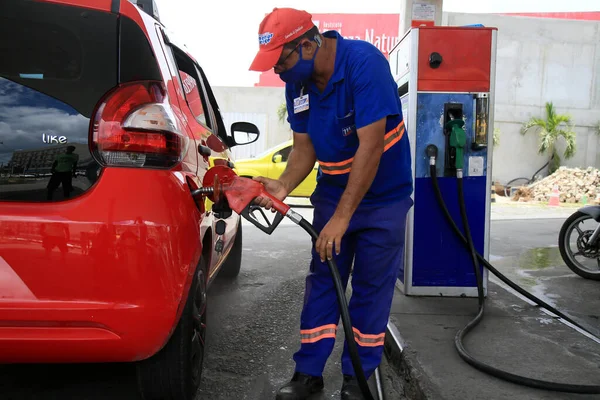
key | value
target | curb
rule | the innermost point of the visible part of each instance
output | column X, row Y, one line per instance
column 417, row 385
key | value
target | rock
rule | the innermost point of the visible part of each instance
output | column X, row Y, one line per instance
column 574, row 184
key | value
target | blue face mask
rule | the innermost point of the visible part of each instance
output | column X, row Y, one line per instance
column 301, row 71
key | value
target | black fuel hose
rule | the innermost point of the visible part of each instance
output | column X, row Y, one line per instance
column 345, row 314
column 460, row 336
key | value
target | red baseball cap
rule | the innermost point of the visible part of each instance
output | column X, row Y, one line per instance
column 279, row 27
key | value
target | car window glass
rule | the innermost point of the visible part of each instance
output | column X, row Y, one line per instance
column 285, row 153
column 220, row 126
column 192, row 95
column 56, row 72
column 191, row 88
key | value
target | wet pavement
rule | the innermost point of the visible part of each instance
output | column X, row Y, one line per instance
column 253, row 326
column 514, row 335
column 527, row 253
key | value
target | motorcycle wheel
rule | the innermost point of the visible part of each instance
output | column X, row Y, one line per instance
column 570, row 226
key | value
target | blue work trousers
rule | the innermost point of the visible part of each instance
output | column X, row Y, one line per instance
column 374, row 241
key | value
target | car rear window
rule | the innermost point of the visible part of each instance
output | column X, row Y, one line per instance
column 57, row 62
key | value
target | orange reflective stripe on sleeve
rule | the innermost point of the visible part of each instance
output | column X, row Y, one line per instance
column 344, row 167
column 368, row 340
column 393, row 136
column 316, row 334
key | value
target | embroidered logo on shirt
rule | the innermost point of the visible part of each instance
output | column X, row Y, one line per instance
column 347, row 130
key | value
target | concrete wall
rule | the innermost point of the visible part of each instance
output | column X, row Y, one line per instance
column 539, row 60
column 263, row 101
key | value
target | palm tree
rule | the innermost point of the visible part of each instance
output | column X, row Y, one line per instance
column 282, row 112
column 550, row 130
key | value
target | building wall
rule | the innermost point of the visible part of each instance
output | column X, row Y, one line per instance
column 539, row 60
column 258, row 105
column 542, row 60
column 40, row 160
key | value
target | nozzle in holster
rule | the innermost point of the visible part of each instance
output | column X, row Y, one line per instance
column 457, row 141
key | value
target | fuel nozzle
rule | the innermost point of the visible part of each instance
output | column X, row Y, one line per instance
column 457, row 140
column 432, row 152
column 203, row 191
column 212, row 189
column 234, row 193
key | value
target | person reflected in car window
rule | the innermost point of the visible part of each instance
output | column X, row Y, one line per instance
column 63, row 170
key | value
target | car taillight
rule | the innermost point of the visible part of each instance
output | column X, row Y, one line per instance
column 135, row 127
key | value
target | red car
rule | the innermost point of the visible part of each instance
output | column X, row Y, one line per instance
column 106, row 126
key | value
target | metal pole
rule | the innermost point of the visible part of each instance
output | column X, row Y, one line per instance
column 379, row 384
column 421, row 11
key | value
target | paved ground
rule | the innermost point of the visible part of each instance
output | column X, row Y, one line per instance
column 527, row 252
column 253, row 333
column 504, row 209
column 254, row 321
column 513, row 336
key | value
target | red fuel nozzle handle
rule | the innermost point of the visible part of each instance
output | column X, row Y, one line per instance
column 241, row 193
column 221, row 181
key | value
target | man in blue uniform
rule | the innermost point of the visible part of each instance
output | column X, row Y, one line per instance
column 345, row 113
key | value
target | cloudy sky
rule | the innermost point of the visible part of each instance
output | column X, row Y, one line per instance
column 26, row 115
column 222, row 35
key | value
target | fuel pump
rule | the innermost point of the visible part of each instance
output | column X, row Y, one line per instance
column 446, row 81
column 445, row 77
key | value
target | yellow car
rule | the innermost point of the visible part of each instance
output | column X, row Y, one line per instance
column 271, row 164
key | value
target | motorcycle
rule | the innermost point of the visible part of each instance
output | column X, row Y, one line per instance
column 586, row 242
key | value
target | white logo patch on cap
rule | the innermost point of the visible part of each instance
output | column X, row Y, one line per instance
column 265, row 38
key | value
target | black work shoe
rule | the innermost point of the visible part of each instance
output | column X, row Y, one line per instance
column 300, row 387
column 350, row 389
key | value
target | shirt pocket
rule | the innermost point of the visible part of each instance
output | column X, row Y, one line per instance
column 345, row 130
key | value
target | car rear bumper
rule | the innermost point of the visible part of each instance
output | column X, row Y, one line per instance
column 106, row 282
column 80, row 332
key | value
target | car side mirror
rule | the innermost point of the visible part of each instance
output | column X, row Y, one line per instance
column 244, row 133
column 277, row 158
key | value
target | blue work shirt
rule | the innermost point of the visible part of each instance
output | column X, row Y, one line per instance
column 361, row 91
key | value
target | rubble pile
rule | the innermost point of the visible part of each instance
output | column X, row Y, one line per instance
column 574, row 186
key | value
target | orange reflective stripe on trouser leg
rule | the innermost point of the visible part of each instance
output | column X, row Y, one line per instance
column 316, row 334
column 344, row 167
column 368, row 340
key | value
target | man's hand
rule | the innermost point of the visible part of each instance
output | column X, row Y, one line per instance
column 273, row 187
column 331, row 237
column 300, row 163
